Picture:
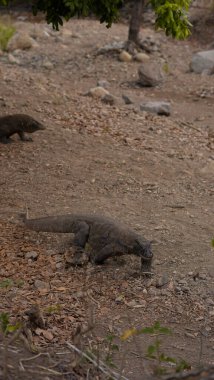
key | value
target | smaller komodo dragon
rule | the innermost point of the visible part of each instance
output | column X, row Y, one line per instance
column 103, row 236
column 18, row 123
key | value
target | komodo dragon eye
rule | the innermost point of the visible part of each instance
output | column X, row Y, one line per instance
column 144, row 249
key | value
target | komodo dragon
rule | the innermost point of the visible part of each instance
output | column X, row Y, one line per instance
column 18, row 123
column 103, row 236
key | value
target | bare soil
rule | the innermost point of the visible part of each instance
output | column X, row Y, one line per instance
column 152, row 172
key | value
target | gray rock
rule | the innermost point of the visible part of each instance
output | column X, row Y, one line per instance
column 150, row 45
column 158, row 107
column 150, row 74
column 201, row 61
column 114, row 46
column 126, row 99
column 21, row 41
column 97, row 92
column 31, row 255
column 109, row 99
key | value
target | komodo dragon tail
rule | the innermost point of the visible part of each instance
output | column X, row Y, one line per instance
column 60, row 223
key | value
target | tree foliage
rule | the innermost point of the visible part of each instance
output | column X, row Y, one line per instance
column 171, row 16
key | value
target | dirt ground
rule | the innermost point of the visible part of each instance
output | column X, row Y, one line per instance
column 154, row 173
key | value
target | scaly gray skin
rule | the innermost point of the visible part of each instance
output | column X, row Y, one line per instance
column 104, row 237
column 18, row 123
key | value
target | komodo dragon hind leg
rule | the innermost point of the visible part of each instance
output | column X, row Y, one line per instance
column 106, row 252
column 81, row 235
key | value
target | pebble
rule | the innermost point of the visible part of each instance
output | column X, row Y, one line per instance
column 103, row 83
column 31, row 255
column 161, row 281
column 39, row 284
column 13, row 59
column 125, row 56
column 210, row 301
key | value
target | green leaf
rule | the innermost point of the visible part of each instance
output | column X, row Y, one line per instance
column 168, row 359
column 115, row 347
column 12, row 328
column 182, row 365
column 4, row 320
column 150, row 352
column 212, row 243
column 110, row 337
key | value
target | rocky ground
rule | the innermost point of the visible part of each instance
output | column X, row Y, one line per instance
column 155, row 173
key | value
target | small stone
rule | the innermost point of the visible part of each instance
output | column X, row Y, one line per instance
column 141, row 57
column 202, row 276
column 109, row 99
column 20, row 254
column 211, row 313
column 210, row 301
column 59, row 265
column 103, row 83
column 13, row 59
column 190, row 273
column 31, row 255
column 50, row 252
column 182, row 282
column 97, row 92
column 152, row 291
column 158, row 107
column 189, row 335
column 47, row 64
column 137, row 305
column 127, row 100
column 48, row 335
column 41, row 284
column 125, row 56
column 161, row 281
column 119, row 299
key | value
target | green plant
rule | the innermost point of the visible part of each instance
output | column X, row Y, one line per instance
column 111, row 348
column 5, row 325
column 7, row 283
column 171, row 16
column 6, row 32
column 154, row 350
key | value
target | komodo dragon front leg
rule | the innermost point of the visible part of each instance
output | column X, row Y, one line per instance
column 23, row 136
column 109, row 250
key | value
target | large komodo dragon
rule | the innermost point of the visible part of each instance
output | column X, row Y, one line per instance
column 18, row 123
column 102, row 236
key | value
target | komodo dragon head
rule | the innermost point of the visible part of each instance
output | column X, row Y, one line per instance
column 143, row 249
column 33, row 125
